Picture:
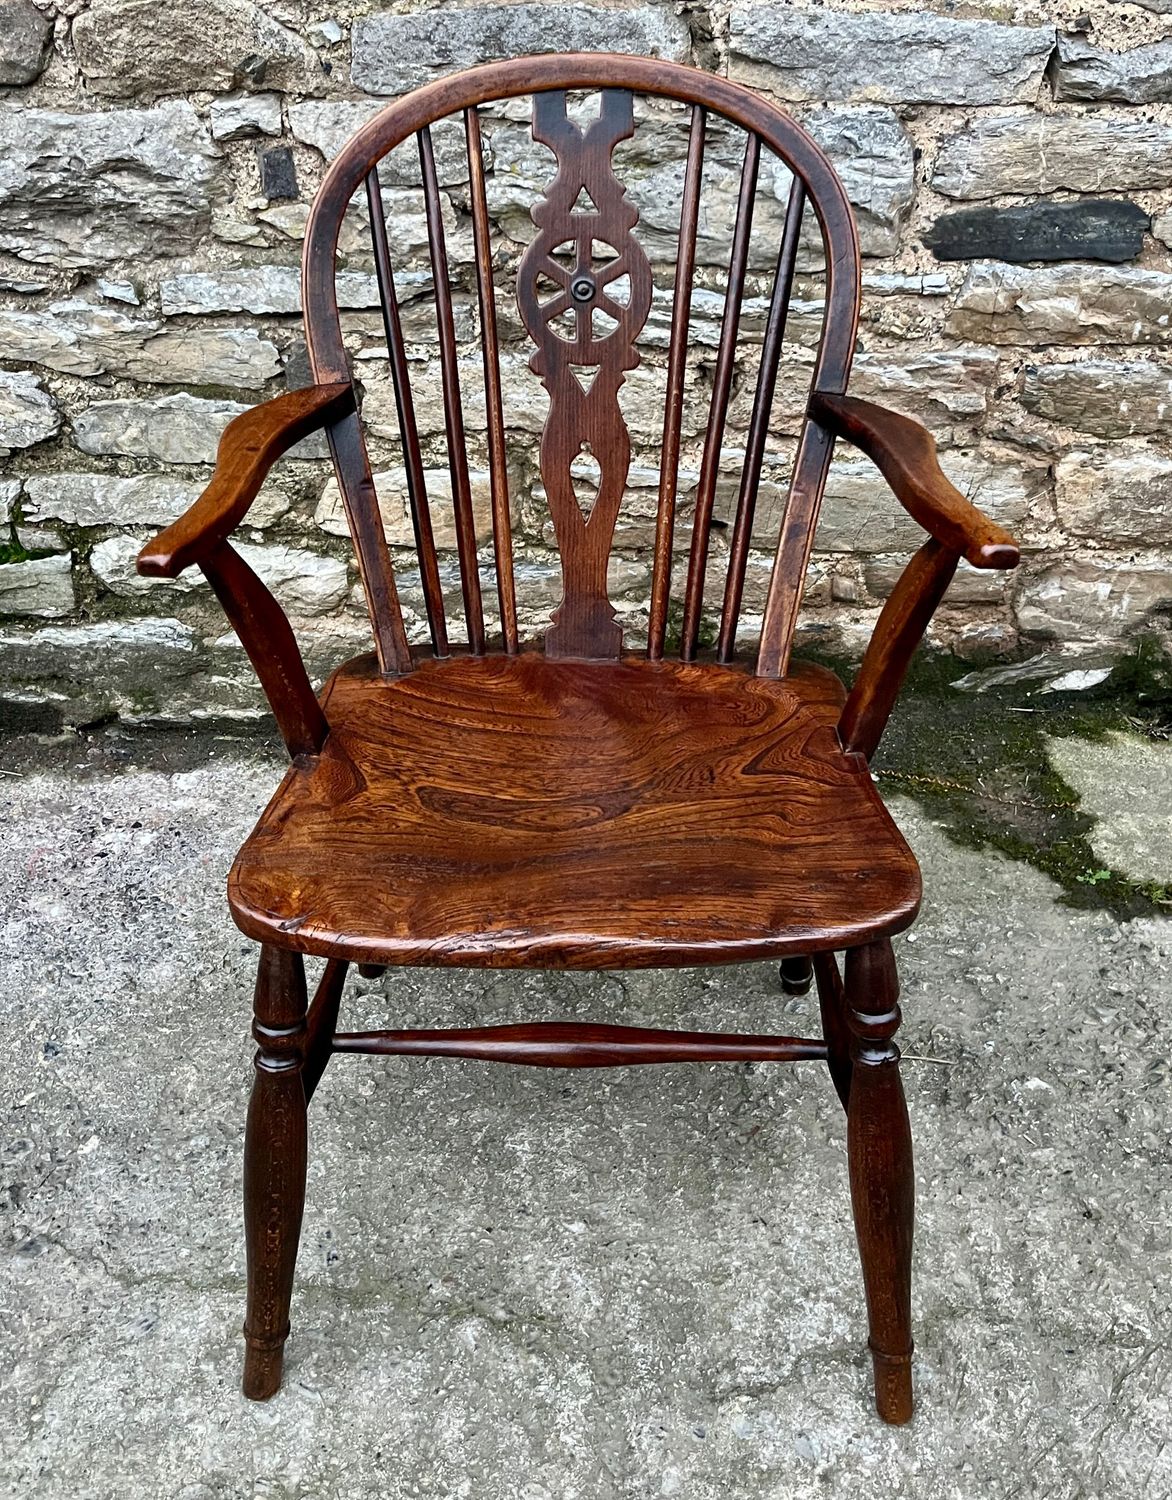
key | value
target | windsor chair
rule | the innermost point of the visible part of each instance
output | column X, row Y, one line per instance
column 573, row 804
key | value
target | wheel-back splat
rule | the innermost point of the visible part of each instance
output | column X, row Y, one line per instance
column 585, row 342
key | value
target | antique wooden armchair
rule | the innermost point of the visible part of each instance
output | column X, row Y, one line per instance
column 573, row 805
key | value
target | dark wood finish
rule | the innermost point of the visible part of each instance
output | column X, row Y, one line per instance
column 250, row 445
column 433, row 598
column 267, row 637
column 797, row 974
column 759, row 421
column 905, row 454
column 718, row 410
column 583, row 369
column 832, row 1004
column 677, row 375
column 578, row 1044
column 453, row 402
column 898, row 632
column 518, row 811
column 502, row 526
column 879, row 1149
column 580, row 808
column 274, row 1165
column 321, row 1023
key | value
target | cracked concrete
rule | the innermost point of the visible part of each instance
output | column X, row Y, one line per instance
column 547, row 1286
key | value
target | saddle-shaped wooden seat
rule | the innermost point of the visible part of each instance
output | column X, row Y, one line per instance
column 514, row 811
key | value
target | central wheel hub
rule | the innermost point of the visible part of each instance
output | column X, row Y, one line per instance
column 582, row 288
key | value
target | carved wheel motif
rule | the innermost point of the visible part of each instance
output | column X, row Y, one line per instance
column 584, row 291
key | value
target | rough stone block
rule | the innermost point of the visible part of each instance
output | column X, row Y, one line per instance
column 28, row 413
column 41, row 586
column 1104, row 397
column 1094, row 598
column 1034, row 154
column 969, row 585
column 395, row 506
column 85, row 338
column 306, row 583
column 259, row 290
column 328, row 125
column 898, row 58
column 394, row 53
column 1116, row 495
column 129, row 47
column 78, row 190
column 1069, row 304
column 107, row 499
column 1091, row 229
column 278, row 174
column 26, row 36
column 240, row 116
column 1141, row 75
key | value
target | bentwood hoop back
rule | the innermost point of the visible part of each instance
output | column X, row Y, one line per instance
column 490, row 801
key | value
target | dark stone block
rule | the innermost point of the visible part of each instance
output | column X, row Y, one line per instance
column 278, row 174
column 1091, row 229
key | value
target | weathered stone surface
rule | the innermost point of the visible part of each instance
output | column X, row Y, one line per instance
column 938, row 386
column 257, row 289
column 1070, row 304
column 392, row 54
column 860, row 514
column 177, row 429
column 128, row 47
column 327, row 125
column 107, row 499
column 969, row 585
column 80, row 190
column 1031, row 154
column 1141, row 75
column 26, row 35
column 108, row 649
column 900, row 58
column 239, row 116
column 1116, row 495
column 1090, row 229
column 85, row 338
column 42, row 586
column 868, row 145
column 306, row 583
column 1103, row 397
column 395, row 506
column 278, row 174
column 1094, row 597
column 28, row 413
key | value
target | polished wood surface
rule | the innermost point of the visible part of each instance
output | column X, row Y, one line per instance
column 582, row 1044
column 506, row 811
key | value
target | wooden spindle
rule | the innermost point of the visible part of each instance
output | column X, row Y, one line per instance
column 453, row 405
column 433, row 597
column 502, row 529
column 718, row 410
column 759, row 421
column 677, row 372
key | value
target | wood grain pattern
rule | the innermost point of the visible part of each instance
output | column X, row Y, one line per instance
column 581, row 1044
column 519, row 811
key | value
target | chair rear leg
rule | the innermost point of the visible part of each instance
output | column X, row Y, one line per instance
column 274, row 1165
column 879, row 1146
column 836, row 1032
column 797, row 975
column 372, row 971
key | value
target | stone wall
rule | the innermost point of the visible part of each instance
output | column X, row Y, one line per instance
column 1012, row 172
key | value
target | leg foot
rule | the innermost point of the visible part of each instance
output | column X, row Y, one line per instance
column 879, row 1146
column 797, row 975
column 372, row 971
column 274, row 1166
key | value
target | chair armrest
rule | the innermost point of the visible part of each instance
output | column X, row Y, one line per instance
column 905, row 454
column 250, row 445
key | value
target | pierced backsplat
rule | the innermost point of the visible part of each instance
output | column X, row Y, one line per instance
column 584, row 290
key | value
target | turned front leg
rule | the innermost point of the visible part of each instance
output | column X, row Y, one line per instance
column 879, row 1145
column 274, row 1165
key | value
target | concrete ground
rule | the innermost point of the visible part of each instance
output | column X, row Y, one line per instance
column 546, row 1286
